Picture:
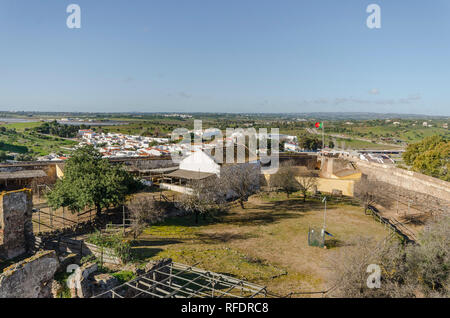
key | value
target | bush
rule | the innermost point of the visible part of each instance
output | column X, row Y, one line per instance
column 419, row 270
column 124, row 276
column 116, row 242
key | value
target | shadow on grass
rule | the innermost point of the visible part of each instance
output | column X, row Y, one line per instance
column 158, row 242
column 333, row 243
column 265, row 215
column 189, row 221
column 213, row 238
column 13, row 148
column 143, row 253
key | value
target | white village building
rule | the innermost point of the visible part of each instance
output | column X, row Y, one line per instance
column 205, row 164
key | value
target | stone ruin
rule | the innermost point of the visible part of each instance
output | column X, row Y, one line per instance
column 16, row 226
column 86, row 281
column 34, row 277
column 30, row 278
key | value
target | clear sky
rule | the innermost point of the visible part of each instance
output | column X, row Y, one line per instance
column 225, row 56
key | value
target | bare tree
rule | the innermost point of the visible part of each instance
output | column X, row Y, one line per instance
column 370, row 192
column 365, row 193
column 144, row 211
column 307, row 181
column 351, row 270
column 240, row 181
column 285, row 179
column 413, row 270
column 204, row 198
column 429, row 261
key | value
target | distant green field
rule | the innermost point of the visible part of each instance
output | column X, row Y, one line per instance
column 408, row 134
column 36, row 144
column 22, row 126
column 360, row 144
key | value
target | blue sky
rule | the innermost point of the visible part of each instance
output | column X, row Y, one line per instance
column 225, row 56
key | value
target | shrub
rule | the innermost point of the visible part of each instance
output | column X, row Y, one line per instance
column 116, row 242
column 124, row 276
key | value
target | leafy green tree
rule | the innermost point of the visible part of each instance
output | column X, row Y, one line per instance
column 3, row 155
column 430, row 156
column 24, row 157
column 90, row 181
column 310, row 143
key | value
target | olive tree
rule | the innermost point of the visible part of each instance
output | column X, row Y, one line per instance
column 307, row 181
column 91, row 181
column 144, row 211
column 203, row 197
column 285, row 179
column 240, row 181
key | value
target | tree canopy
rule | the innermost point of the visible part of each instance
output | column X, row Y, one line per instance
column 309, row 143
column 57, row 129
column 285, row 179
column 90, row 181
column 431, row 156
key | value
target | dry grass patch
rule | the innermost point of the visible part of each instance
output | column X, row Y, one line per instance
column 265, row 243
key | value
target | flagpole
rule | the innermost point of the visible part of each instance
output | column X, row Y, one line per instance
column 323, row 138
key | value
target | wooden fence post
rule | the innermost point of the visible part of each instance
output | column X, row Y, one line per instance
column 123, row 218
column 51, row 218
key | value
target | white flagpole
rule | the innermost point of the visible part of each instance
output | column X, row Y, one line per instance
column 323, row 138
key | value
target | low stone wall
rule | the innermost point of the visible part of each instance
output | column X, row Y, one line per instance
column 30, row 278
column 82, row 248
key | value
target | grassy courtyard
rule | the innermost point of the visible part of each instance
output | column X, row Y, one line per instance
column 266, row 243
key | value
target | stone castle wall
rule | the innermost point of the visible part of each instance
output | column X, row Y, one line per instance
column 16, row 227
column 421, row 189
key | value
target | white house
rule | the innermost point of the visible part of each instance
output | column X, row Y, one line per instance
column 202, row 165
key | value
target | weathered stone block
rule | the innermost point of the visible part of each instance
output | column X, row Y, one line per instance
column 30, row 278
column 103, row 283
column 16, row 227
column 80, row 283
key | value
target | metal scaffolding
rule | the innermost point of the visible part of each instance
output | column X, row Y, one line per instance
column 176, row 280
